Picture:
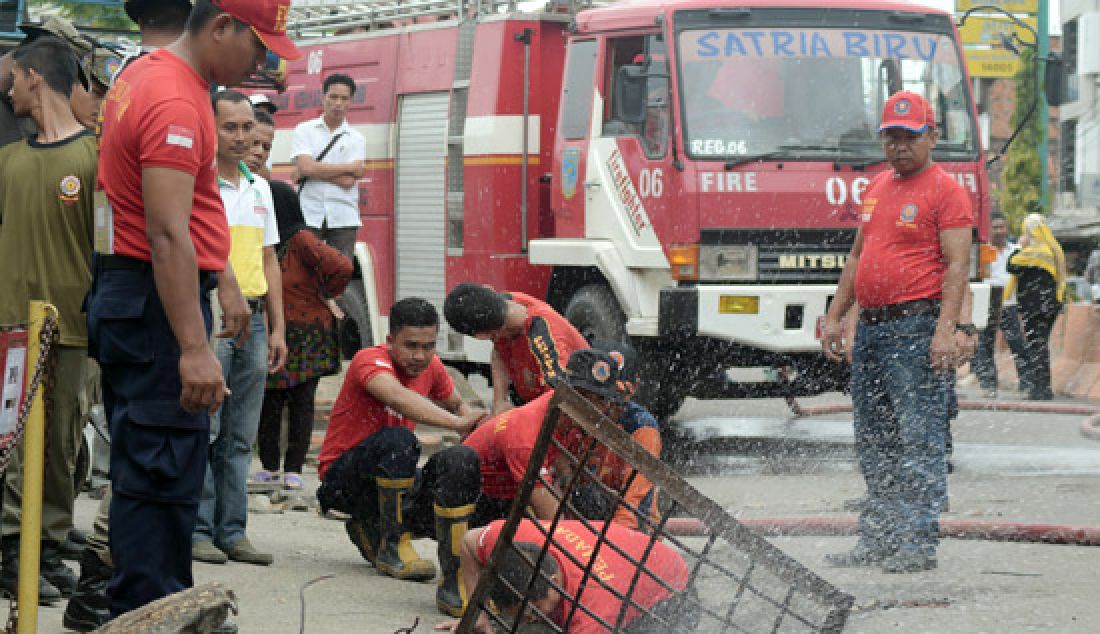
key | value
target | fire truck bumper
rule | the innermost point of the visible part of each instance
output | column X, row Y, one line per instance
column 774, row 318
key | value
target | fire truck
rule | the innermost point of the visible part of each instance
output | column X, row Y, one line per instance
column 685, row 174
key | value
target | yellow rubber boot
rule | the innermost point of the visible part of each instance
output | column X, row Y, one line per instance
column 396, row 556
column 450, row 526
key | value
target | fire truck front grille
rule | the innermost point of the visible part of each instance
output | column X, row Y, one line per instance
column 791, row 255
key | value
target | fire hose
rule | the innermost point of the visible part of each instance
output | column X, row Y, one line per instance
column 1090, row 427
column 839, row 526
column 956, row 529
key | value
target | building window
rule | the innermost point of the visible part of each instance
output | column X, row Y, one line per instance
column 1067, row 180
column 1069, row 59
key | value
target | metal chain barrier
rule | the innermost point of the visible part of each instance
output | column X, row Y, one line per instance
column 46, row 340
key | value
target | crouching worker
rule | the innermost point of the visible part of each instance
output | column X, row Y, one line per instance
column 593, row 500
column 475, row 482
column 369, row 456
column 660, row 588
column 529, row 339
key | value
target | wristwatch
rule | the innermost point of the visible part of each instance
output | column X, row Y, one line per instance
column 968, row 329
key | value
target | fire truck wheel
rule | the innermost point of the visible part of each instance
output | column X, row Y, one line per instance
column 596, row 314
column 355, row 331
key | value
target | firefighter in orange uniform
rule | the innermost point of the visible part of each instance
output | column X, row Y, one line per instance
column 639, row 501
column 529, row 338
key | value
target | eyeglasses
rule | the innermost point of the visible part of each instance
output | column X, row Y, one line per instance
column 907, row 140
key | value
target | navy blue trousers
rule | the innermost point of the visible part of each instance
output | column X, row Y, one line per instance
column 158, row 450
column 450, row 478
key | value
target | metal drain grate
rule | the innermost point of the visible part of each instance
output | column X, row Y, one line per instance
column 735, row 580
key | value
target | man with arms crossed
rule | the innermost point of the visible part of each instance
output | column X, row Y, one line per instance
column 330, row 199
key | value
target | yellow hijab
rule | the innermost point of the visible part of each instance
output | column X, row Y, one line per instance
column 1039, row 249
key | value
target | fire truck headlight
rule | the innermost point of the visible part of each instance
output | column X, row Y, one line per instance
column 727, row 262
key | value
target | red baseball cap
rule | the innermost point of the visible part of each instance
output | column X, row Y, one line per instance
column 907, row 110
column 267, row 19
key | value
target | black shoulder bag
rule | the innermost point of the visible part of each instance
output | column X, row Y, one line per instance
column 320, row 157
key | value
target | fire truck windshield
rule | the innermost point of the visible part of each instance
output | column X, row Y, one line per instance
column 804, row 94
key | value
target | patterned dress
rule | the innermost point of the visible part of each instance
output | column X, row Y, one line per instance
column 311, row 270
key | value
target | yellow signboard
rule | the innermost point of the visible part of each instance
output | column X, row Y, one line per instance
column 988, row 31
column 1012, row 6
column 992, row 63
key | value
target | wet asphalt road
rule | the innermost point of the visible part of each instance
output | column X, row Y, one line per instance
column 751, row 458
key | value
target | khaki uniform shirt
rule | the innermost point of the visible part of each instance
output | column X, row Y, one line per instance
column 46, row 232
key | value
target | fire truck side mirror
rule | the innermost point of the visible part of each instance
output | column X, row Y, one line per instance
column 1054, row 80
column 630, row 93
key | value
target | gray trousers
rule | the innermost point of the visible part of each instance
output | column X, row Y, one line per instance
column 340, row 238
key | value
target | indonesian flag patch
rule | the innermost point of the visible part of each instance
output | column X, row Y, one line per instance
column 181, row 136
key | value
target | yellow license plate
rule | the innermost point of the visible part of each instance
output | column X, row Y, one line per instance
column 739, row 304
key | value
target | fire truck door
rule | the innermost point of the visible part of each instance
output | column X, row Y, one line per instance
column 637, row 118
column 570, row 153
column 420, row 197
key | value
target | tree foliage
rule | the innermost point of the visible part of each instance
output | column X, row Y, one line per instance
column 1021, row 190
column 94, row 15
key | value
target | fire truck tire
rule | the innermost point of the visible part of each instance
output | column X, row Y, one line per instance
column 595, row 312
column 355, row 330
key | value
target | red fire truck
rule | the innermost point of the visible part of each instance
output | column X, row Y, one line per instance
column 685, row 173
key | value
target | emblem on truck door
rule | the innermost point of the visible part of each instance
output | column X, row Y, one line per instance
column 570, row 163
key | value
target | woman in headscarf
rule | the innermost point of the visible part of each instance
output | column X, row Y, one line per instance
column 1038, row 271
column 312, row 272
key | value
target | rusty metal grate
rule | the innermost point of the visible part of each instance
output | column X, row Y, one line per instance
column 736, row 580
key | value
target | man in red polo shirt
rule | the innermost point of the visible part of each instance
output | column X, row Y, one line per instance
column 475, row 482
column 369, row 455
column 659, row 590
column 161, row 237
column 529, row 338
column 907, row 271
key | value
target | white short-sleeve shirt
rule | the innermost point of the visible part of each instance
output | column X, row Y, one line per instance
column 250, row 210
column 323, row 201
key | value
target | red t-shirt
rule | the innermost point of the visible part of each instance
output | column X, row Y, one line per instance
column 158, row 114
column 535, row 359
column 571, row 536
column 356, row 414
column 504, row 444
column 902, row 219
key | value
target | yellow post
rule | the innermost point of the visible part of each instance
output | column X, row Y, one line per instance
column 34, row 444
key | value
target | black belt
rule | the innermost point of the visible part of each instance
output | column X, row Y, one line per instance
column 104, row 262
column 876, row 314
column 256, row 305
column 120, row 263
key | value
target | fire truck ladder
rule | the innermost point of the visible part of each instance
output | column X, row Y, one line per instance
column 315, row 17
column 456, row 128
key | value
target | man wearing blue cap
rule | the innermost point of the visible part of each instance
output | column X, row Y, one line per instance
column 907, row 271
